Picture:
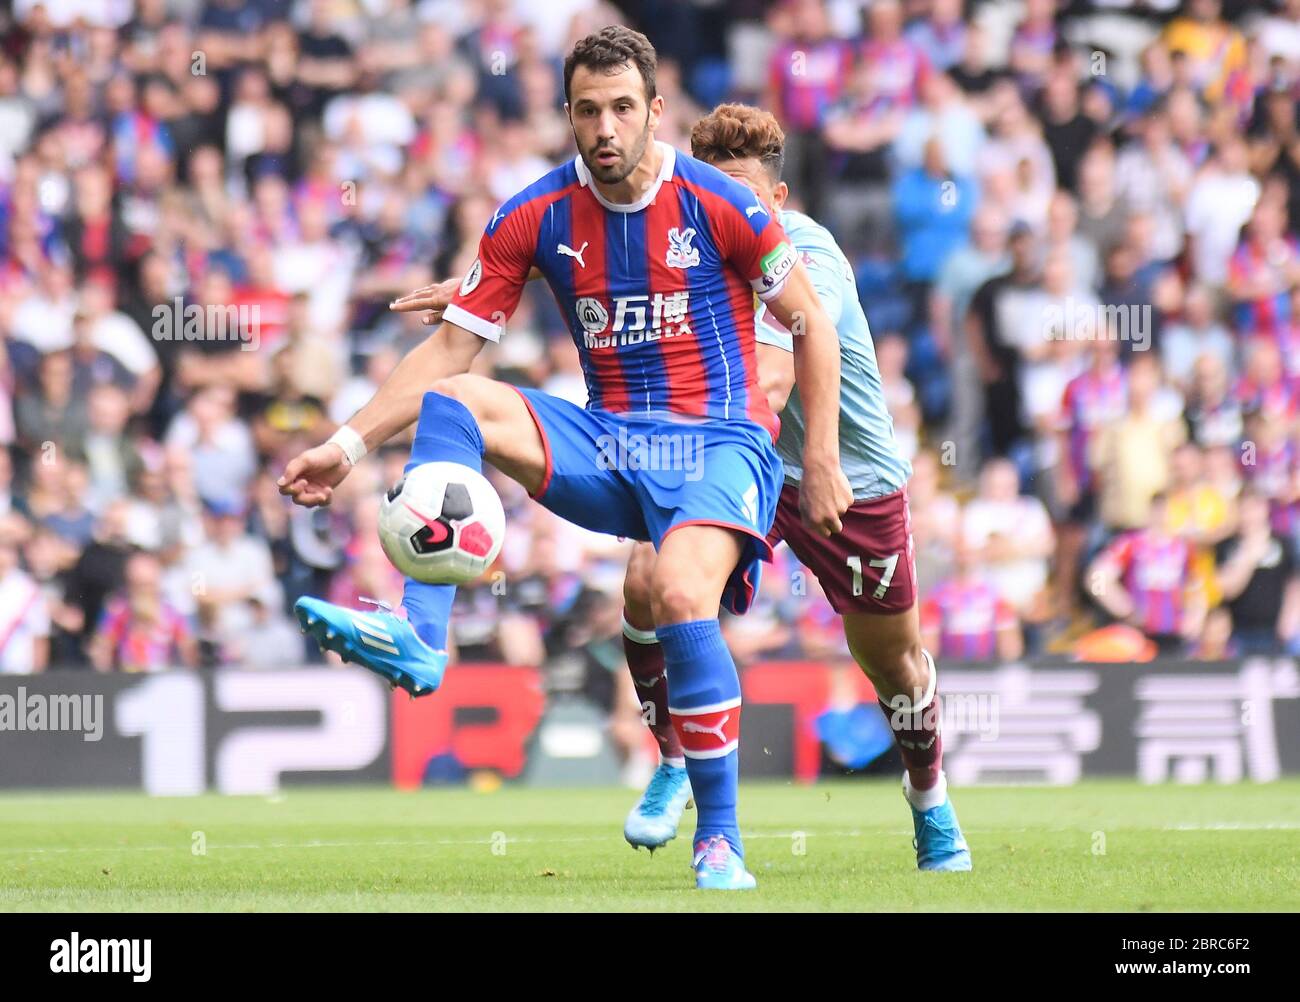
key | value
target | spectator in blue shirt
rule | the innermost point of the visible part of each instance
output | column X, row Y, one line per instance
column 933, row 208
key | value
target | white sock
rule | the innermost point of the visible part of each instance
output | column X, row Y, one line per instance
column 676, row 763
column 926, row 800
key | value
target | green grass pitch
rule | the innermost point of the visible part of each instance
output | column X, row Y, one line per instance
column 1110, row 846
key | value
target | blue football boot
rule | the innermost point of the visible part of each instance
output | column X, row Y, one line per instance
column 719, row 868
column 653, row 821
column 381, row 640
column 939, row 843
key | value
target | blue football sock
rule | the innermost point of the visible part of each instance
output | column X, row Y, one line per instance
column 446, row 432
column 704, row 700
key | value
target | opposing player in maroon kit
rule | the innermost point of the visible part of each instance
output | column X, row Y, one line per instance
column 867, row 569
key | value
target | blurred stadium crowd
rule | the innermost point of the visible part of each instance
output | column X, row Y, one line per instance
column 1074, row 228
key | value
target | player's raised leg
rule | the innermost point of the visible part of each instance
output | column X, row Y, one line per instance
column 888, row 649
column 653, row 820
column 462, row 419
column 692, row 568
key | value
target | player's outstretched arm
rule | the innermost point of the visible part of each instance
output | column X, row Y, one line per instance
column 824, row 494
column 311, row 476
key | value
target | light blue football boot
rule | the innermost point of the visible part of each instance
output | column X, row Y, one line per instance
column 653, row 821
column 939, row 843
column 381, row 640
column 719, row 868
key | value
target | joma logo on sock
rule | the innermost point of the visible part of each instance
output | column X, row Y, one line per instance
column 102, row 956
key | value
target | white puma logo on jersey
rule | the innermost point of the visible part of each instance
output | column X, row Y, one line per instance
column 575, row 254
column 691, row 727
column 749, row 212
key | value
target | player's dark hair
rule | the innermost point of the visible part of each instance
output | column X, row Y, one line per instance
column 740, row 132
column 610, row 50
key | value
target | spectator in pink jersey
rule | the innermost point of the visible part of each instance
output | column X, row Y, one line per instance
column 897, row 65
column 1286, row 336
column 1033, row 43
column 859, row 131
column 140, row 631
column 1146, row 578
column 1264, row 270
column 1265, row 385
column 965, row 619
column 806, row 76
column 1271, row 467
column 1093, row 399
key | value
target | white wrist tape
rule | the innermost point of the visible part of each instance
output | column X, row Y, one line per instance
column 352, row 444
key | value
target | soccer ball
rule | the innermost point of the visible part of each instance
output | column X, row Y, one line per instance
column 442, row 524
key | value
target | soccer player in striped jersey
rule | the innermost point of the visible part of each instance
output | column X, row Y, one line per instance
column 654, row 259
column 867, row 570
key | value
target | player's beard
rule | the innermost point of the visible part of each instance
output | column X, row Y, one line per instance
column 621, row 169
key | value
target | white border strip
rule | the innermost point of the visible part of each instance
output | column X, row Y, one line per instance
column 695, row 711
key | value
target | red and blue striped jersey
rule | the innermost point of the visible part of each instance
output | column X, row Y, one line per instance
column 1274, row 473
column 809, row 79
column 1281, row 397
column 1156, row 571
column 1090, row 401
column 968, row 616
column 658, row 294
column 897, row 70
column 1250, row 263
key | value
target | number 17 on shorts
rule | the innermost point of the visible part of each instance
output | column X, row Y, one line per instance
column 869, row 566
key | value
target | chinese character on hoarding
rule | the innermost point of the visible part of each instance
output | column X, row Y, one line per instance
column 1042, row 730
column 1193, row 728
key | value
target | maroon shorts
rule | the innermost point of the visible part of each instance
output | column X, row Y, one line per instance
column 869, row 566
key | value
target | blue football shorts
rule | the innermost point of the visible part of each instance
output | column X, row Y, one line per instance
column 643, row 477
